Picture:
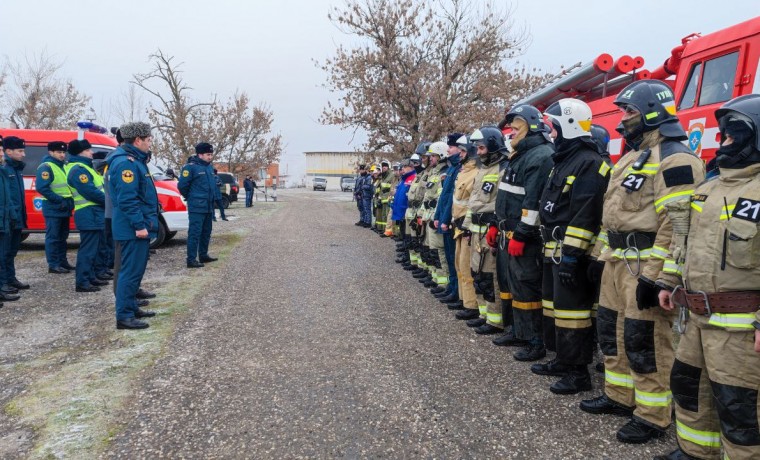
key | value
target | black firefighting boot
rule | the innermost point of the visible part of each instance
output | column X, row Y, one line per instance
column 477, row 322
column 677, row 454
column 604, row 405
column 531, row 352
column 508, row 339
column 577, row 380
column 637, row 432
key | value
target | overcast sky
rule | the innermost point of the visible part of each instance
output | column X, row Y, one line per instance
column 267, row 47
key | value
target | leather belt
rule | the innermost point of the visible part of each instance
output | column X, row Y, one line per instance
column 624, row 240
column 703, row 303
column 483, row 218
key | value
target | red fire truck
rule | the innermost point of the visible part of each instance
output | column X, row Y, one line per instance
column 704, row 71
column 173, row 217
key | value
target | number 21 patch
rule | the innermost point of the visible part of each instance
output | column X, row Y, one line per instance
column 747, row 209
column 487, row 187
column 633, row 182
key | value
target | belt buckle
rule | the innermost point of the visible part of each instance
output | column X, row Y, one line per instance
column 708, row 310
column 683, row 311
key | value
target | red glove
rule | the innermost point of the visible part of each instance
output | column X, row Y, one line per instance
column 516, row 248
column 492, row 236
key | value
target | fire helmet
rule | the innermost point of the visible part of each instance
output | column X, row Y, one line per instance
column 601, row 138
column 438, row 148
column 491, row 137
column 422, row 148
column 742, row 110
column 655, row 101
column 530, row 114
column 570, row 117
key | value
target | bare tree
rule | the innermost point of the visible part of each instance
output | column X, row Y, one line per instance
column 423, row 69
column 37, row 97
column 242, row 135
column 129, row 106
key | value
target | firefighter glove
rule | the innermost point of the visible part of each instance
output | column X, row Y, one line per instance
column 431, row 224
column 568, row 268
column 516, row 248
column 594, row 271
column 492, row 236
column 646, row 294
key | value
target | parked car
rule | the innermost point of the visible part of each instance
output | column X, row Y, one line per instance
column 173, row 216
column 347, row 183
column 320, row 183
column 229, row 188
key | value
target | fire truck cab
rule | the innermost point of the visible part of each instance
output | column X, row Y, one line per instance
column 704, row 72
column 173, row 217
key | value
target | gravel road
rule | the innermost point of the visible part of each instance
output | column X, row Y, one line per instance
column 304, row 341
column 317, row 345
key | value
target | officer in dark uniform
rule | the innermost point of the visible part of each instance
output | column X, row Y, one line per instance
column 218, row 196
column 571, row 213
column 13, row 167
column 198, row 185
column 135, row 219
column 89, row 213
column 5, row 208
column 57, row 205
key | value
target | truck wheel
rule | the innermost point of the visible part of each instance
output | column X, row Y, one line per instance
column 161, row 237
column 225, row 201
column 24, row 236
column 170, row 235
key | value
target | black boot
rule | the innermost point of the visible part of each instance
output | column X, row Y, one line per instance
column 477, row 322
column 574, row 382
column 459, row 305
column 439, row 291
column 468, row 314
column 508, row 339
column 532, row 352
column 636, row 432
column 553, row 368
column 452, row 297
column 430, row 283
column 599, row 367
column 420, row 273
column 603, row 405
column 487, row 329
column 410, row 268
column 677, row 454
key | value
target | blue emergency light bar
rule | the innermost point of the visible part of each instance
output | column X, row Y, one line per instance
column 91, row 127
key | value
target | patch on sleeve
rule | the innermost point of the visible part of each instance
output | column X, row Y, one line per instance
column 678, row 175
column 185, row 173
column 45, row 175
column 127, row 176
column 83, row 178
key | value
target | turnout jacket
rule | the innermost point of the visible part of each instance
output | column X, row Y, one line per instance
column 636, row 201
column 571, row 203
column 521, row 186
column 462, row 191
column 415, row 193
column 482, row 203
column 386, row 183
column 725, row 210
column 198, row 185
column 433, row 188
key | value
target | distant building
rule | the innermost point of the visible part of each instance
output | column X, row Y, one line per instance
column 332, row 166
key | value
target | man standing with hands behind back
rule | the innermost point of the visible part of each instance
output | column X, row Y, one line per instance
column 135, row 219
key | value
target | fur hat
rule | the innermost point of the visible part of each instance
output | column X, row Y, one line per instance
column 204, row 147
column 56, row 146
column 78, row 146
column 13, row 143
column 451, row 139
column 135, row 129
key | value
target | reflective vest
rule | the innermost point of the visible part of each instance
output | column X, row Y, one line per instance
column 59, row 186
column 97, row 180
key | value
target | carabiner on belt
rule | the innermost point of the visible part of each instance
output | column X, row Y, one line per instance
column 556, row 256
column 683, row 313
column 630, row 240
column 502, row 237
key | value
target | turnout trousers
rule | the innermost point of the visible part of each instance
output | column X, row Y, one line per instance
column 131, row 261
column 637, row 346
column 56, row 234
column 715, row 380
column 464, row 273
column 524, row 282
column 505, row 295
column 439, row 269
column 198, row 235
column 571, row 310
column 483, row 266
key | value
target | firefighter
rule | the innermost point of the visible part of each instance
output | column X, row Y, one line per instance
column 398, row 209
column 374, row 171
column 57, row 205
column 482, row 223
column 570, row 212
column 521, row 250
column 466, row 296
column 14, row 166
column 198, row 185
column 89, row 214
column 716, row 374
column 442, row 217
column 636, row 339
column 385, row 182
column 438, row 269
column 391, row 229
column 414, row 201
